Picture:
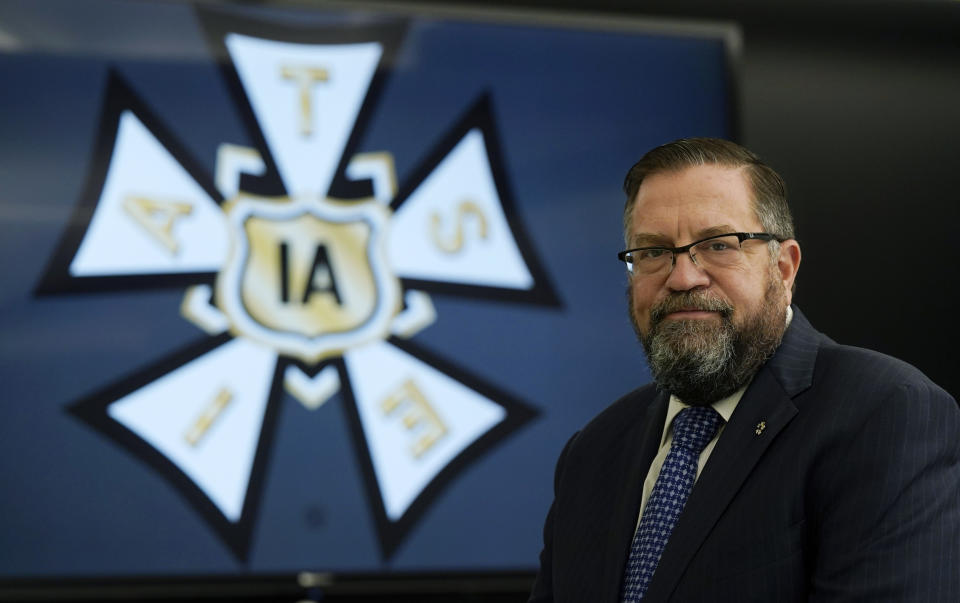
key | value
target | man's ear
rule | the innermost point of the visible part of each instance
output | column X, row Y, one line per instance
column 788, row 264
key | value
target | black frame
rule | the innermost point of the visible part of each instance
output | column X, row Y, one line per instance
column 741, row 237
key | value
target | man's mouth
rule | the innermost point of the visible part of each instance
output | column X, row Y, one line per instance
column 691, row 314
column 690, row 306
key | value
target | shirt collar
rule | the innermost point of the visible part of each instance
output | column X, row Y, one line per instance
column 724, row 406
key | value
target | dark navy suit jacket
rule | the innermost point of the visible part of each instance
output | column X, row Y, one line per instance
column 836, row 479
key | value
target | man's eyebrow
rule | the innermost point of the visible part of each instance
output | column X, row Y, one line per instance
column 715, row 230
column 644, row 239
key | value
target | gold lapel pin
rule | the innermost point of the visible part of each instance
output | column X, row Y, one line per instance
column 760, row 427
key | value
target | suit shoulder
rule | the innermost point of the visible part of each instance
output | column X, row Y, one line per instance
column 597, row 446
column 864, row 371
column 622, row 413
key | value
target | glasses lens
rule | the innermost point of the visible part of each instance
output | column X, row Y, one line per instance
column 719, row 252
column 648, row 261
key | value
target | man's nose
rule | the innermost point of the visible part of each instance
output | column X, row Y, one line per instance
column 686, row 274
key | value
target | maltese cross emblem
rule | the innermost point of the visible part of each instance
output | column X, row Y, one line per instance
column 308, row 272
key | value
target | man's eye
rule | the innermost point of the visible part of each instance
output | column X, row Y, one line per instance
column 716, row 246
column 649, row 254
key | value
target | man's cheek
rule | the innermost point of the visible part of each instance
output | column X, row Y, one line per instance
column 642, row 317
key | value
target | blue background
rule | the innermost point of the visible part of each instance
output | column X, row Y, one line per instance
column 574, row 109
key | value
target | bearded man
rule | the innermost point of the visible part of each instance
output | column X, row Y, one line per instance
column 766, row 462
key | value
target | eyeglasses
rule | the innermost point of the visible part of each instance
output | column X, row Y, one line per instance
column 719, row 251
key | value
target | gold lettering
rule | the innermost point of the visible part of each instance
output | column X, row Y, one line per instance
column 305, row 77
column 207, row 418
column 455, row 243
column 418, row 414
column 157, row 218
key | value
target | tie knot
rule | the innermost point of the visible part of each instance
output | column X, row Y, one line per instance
column 694, row 427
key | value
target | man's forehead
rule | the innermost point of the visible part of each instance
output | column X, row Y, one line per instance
column 692, row 221
column 699, row 200
column 696, row 184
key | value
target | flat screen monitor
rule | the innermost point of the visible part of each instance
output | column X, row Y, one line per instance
column 322, row 289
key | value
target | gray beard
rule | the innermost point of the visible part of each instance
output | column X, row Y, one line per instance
column 702, row 361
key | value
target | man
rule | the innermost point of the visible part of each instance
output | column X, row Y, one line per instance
column 767, row 462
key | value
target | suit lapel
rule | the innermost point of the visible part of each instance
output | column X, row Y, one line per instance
column 635, row 460
column 766, row 402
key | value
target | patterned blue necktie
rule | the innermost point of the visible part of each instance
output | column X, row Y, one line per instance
column 692, row 428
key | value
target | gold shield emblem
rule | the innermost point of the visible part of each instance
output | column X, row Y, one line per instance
column 308, row 277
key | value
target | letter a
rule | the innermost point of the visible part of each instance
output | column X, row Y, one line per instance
column 157, row 217
column 324, row 281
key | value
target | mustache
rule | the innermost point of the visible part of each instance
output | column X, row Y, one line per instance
column 689, row 300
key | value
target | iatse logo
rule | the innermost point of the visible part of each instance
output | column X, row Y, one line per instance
column 303, row 286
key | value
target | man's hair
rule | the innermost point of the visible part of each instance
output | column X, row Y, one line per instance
column 769, row 190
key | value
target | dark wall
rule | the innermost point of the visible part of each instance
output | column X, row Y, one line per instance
column 863, row 127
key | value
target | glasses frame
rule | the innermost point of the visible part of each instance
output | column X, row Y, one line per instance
column 741, row 237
